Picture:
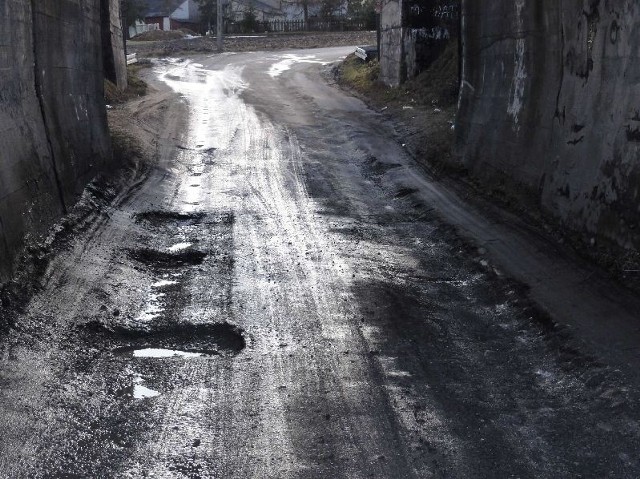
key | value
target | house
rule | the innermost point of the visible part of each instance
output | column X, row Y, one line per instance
column 173, row 14
column 288, row 10
column 263, row 10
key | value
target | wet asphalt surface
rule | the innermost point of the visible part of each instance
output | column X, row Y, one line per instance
column 267, row 303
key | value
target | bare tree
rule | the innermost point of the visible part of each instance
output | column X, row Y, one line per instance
column 133, row 10
column 208, row 12
column 305, row 4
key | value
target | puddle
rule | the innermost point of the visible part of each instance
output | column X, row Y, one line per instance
column 288, row 60
column 160, row 353
column 161, row 259
column 155, row 304
column 141, row 392
column 137, row 390
column 163, row 282
column 154, row 308
column 179, row 247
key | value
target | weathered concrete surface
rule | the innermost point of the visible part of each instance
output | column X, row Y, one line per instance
column 69, row 74
column 29, row 197
column 413, row 34
column 391, row 43
column 53, row 130
column 115, row 63
column 550, row 108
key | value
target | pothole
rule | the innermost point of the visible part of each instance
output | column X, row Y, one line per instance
column 379, row 167
column 178, row 340
column 162, row 259
column 162, row 217
column 163, row 353
column 172, row 218
column 404, row 192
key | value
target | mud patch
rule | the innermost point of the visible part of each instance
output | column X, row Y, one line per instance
column 164, row 260
column 378, row 167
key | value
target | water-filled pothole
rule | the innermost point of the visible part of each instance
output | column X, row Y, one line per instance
column 162, row 217
column 164, row 353
column 178, row 340
column 142, row 392
column 162, row 259
column 180, row 246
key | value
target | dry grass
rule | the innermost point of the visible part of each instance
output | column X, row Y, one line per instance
column 423, row 108
column 136, row 87
column 156, row 35
column 360, row 76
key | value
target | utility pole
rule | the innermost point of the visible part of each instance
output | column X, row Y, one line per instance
column 378, row 10
column 123, row 24
column 219, row 25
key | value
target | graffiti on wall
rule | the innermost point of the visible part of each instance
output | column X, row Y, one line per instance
column 431, row 23
column 432, row 13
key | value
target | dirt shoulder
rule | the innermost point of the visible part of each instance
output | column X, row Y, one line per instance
column 245, row 43
column 423, row 110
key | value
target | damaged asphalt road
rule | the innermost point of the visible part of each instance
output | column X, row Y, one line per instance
column 276, row 298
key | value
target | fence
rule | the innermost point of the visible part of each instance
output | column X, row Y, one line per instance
column 312, row 25
column 139, row 28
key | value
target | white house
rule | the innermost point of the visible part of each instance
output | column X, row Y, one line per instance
column 173, row 14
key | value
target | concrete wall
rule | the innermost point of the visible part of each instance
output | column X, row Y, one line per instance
column 29, row 196
column 550, row 108
column 411, row 41
column 53, row 129
column 392, row 69
column 115, row 63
